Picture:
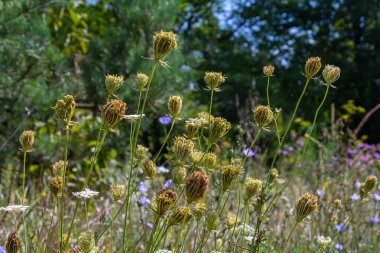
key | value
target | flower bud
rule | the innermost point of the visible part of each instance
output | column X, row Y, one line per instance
column 142, row 81
column 86, row 241
column 268, row 70
column 213, row 79
column 196, row 156
column 209, row 161
column 150, row 169
column 55, row 185
column 331, row 73
column 218, row 128
column 180, row 215
column 165, row 199
column 273, row 175
column 196, row 186
column 312, row 66
column 231, row 220
column 59, row 168
column 192, row 129
column 163, row 44
column 179, row 175
column 117, row 191
column 183, row 148
column 13, row 243
column 252, row 188
column 113, row 83
column 334, row 218
column 64, row 109
column 174, row 106
column 141, row 152
column 199, row 209
column 263, row 115
column 368, row 186
column 229, row 172
column 337, row 203
column 211, row 221
column 112, row 113
column 26, row 140
column 305, row 206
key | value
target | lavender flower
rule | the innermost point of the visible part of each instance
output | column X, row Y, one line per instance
column 2, row 250
column 340, row 227
column 320, row 192
column 141, row 187
column 357, row 185
column 374, row 220
column 144, row 201
column 249, row 151
column 355, row 197
column 376, row 197
column 168, row 183
column 164, row 120
column 361, row 145
column 290, row 148
column 285, row 152
column 376, row 155
column 149, row 224
column 351, row 151
column 293, row 135
column 339, row 246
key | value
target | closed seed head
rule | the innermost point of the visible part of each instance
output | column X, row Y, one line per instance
column 165, row 199
column 26, row 140
column 196, row 186
column 163, row 44
column 13, row 243
column 305, row 206
column 213, row 79
column 112, row 113
column 55, row 185
column 117, row 191
column 229, row 173
column 331, row 73
column 174, row 106
column 150, row 169
column 142, row 81
column 180, row 215
column 58, row 168
column 268, row 70
column 64, row 109
column 113, row 83
column 263, row 115
column 312, row 66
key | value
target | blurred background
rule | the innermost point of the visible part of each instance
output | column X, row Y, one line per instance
column 52, row 48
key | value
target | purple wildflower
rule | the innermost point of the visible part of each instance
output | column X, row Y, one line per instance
column 144, row 201
column 293, row 135
column 285, row 152
column 374, row 220
column 320, row 192
column 376, row 155
column 299, row 142
column 149, row 224
column 355, row 197
column 369, row 147
column 364, row 158
column 168, row 183
column 350, row 161
column 339, row 246
column 2, row 250
column 357, row 185
column 351, row 151
column 340, row 227
column 290, row 148
column 376, row 197
column 141, row 187
column 334, row 158
column 248, row 152
column 164, row 120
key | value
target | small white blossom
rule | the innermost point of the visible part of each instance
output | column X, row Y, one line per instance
column 163, row 251
column 86, row 194
column 248, row 238
column 134, row 117
column 14, row 208
column 323, row 242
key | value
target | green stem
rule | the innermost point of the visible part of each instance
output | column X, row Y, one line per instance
column 112, row 221
column 166, row 140
column 72, row 224
column 250, row 147
column 268, row 77
column 62, row 213
column 290, row 234
column 312, row 126
column 138, row 103
column 290, row 122
column 51, row 224
column 179, row 236
column 22, row 201
column 155, row 225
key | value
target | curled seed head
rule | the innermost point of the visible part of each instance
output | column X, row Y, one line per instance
column 196, row 186
column 163, row 44
column 263, row 115
column 141, row 152
column 180, row 215
column 211, row 220
column 252, row 187
column 55, row 185
column 59, row 168
column 179, row 174
column 165, row 199
column 13, row 243
column 117, row 191
column 273, row 175
column 218, row 128
column 150, row 169
column 192, row 129
column 112, row 113
column 142, row 81
column 64, row 109
column 86, row 241
column 209, row 161
column 312, row 66
column 331, row 73
column 113, row 83
column 231, row 220
column 229, row 173
column 199, row 209
column 183, row 148
column 26, row 140
column 268, row 70
column 334, row 218
column 175, row 106
column 305, row 206
column 213, row 79
column 368, row 186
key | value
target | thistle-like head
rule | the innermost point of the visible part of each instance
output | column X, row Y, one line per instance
column 113, row 83
column 213, row 79
column 268, row 70
column 165, row 199
column 59, row 168
column 142, row 81
column 263, row 115
column 180, row 215
column 305, row 206
column 174, row 106
column 64, row 109
column 55, row 185
column 86, row 241
column 199, row 209
column 117, row 191
column 211, row 220
column 183, row 148
column 163, row 44
column 312, row 66
column 13, row 243
column 196, row 186
column 252, row 187
column 112, row 113
column 150, row 169
column 229, row 173
column 218, row 128
column 26, row 140
column 331, row 73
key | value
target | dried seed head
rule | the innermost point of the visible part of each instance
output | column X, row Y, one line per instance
column 334, row 218
column 113, row 83
column 229, row 173
column 165, row 199
column 263, row 115
column 199, row 209
column 268, row 70
column 179, row 175
column 337, row 203
column 218, row 128
column 252, row 187
column 196, row 156
column 204, row 117
column 117, row 191
column 64, row 109
column 112, row 113
column 86, row 241
column 180, row 215
column 59, row 168
column 306, row 205
column 163, row 44
column 368, row 186
column 142, row 81
column 192, row 129
column 273, row 175
column 150, row 169
column 211, row 220
column 312, row 66
column 141, row 152
column 196, row 186
column 13, row 243
column 174, row 106
column 26, row 140
column 209, row 161
column 331, row 73
column 183, row 148
column 55, row 185
column 231, row 220
column 213, row 79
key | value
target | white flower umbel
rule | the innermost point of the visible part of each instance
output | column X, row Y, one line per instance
column 163, row 251
column 86, row 194
column 14, row 208
column 134, row 117
column 323, row 242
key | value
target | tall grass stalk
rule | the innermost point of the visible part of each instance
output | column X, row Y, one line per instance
column 22, row 200
column 62, row 208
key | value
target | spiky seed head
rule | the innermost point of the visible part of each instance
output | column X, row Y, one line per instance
column 141, row 152
column 368, row 186
column 112, row 113
column 174, row 106
column 273, row 175
column 331, row 73
column 199, row 209
column 211, row 220
column 191, row 129
column 55, row 185
column 150, row 169
column 165, row 199
column 13, row 243
column 229, row 173
column 64, row 109
column 231, row 220
column 113, row 83
column 196, row 156
column 252, row 187
column 183, row 148
column 26, row 140
column 218, row 128
column 305, row 206
column 196, row 186
column 59, row 168
column 142, row 81
column 337, row 203
column 204, row 117
column 213, row 79
column 263, row 115
column 163, row 44
column 86, row 241
column 179, row 174
column 268, row 70
column 312, row 66
column 209, row 160
column 117, row 191
column 181, row 215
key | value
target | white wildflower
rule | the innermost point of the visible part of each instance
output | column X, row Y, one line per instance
column 163, row 251
column 162, row 169
column 134, row 117
column 323, row 242
column 14, row 208
column 86, row 194
column 248, row 238
column 197, row 121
